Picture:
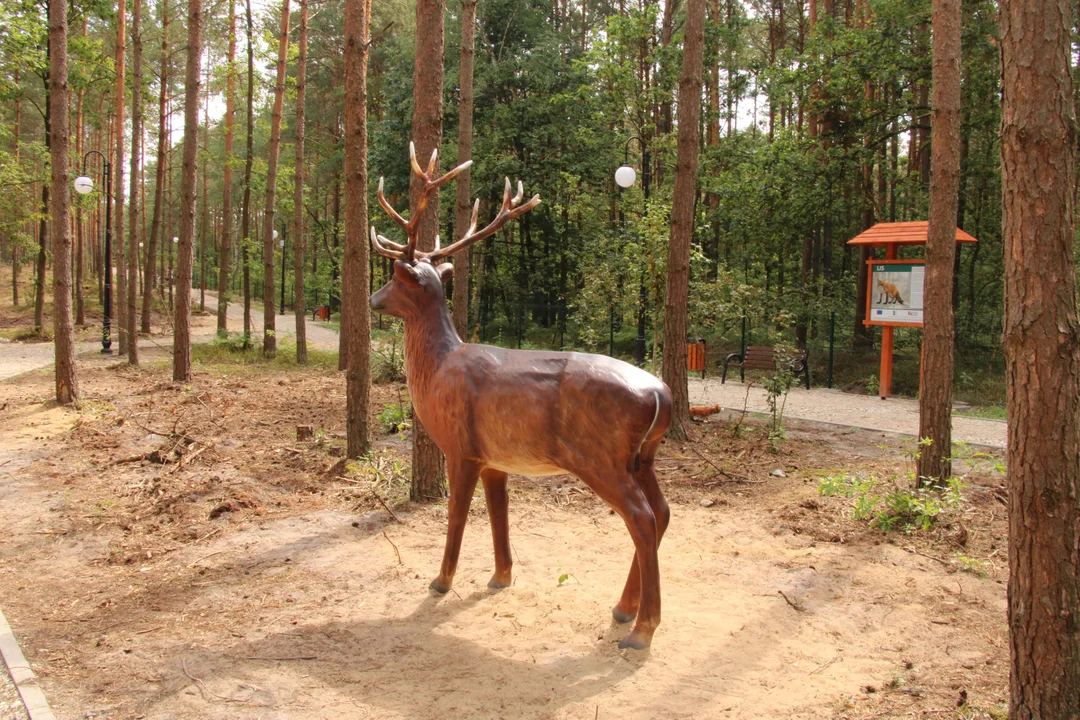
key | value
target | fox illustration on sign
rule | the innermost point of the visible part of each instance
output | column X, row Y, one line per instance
column 889, row 294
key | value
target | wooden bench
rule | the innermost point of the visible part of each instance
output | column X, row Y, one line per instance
column 764, row 357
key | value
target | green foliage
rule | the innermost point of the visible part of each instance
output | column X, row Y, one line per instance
column 396, row 417
column 890, row 504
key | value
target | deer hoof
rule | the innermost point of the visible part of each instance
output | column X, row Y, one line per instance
column 439, row 586
column 621, row 616
column 635, row 641
column 497, row 583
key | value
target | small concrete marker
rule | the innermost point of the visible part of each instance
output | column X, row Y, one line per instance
column 25, row 680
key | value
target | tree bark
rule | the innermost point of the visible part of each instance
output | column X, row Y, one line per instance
column 15, row 261
column 935, row 394
column 269, row 330
column 1042, row 353
column 358, row 368
column 682, row 219
column 80, row 311
column 117, row 261
column 67, row 389
column 428, row 468
column 298, row 198
column 463, row 205
column 159, row 187
column 43, row 225
column 226, row 193
column 188, row 189
column 131, row 313
column 245, row 220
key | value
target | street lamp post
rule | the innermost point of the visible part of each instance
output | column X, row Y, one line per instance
column 84, row 185
column 284, row 237
column 624, row 178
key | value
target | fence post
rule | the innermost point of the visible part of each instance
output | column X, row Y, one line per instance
column 611, row 332
column 742, row 341
column 832, row 338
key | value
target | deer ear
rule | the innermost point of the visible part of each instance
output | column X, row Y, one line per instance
column 446, row 271
column 406, row 273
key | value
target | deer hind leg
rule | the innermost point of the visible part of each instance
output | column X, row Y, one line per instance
column 462, row 482
column 627, row 607
column 498, row 501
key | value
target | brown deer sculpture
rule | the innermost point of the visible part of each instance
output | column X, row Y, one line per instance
column 494, row 411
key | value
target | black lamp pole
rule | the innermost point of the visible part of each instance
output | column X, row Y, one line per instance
column 284, row 237
column 643, row 294
column 106, row 322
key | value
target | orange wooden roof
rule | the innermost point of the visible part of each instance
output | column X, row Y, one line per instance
column 901, row 233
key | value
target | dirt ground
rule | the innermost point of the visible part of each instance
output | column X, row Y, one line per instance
column 173, row 551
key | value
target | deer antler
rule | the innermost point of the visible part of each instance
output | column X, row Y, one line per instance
column 510, row 209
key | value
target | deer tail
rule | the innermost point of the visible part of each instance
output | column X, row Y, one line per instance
column 649, row 432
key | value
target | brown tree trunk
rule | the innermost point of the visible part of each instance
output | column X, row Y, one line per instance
column 269, row 330
column 682, row 219
column 1042, row 354
column 43, row 226
column 80, row 311
column 245, row 219
column 188, row 189
column 119, row 304
column 298, row 198
column 205, row 199
column 935, row 392
column 428, row 468
column 226, row 193
column 159, row 187
column 463, row 206
column 358, row 370
column 131, row 314
column 14, row 248
column 67, row 389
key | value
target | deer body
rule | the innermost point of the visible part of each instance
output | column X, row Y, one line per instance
column 494, row 411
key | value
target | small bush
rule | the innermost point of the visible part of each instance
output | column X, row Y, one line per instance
column 891, row 505
column 396, row 418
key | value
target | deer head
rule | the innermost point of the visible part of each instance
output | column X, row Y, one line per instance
column 418, row 277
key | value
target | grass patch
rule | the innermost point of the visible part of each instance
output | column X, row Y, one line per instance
column 986, row 412
column 234, row 351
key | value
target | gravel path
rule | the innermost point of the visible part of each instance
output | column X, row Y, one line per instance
column 896, row 415
column 11, row 705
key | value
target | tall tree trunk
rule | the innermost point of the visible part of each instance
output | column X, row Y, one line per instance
column 67, row 389
column 43, row 223
column 119, row 306
column 80, row 311
column 269, row 330
column 226, row 193
column 15, row 248
column 428, row 468
column 159, row 186
column 245, row 219
column 463, row 206
column 1042, row 354
column 358, row 371
column 298, row 198
column 131, row 313
column 935, row 393
column 182, row 305
column 682, row 219
column 205, row 200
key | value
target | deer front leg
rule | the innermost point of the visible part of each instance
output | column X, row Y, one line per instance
column 498, row 501
column 463, row 477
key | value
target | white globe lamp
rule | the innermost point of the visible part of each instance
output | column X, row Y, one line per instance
column 83, row 185
column 625, row 176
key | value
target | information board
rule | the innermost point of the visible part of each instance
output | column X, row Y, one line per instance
column 896, row 293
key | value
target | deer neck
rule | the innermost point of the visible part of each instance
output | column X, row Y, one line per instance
column 429, row 338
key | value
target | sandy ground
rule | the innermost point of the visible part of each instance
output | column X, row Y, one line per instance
column 257, row 581
column 897, row 415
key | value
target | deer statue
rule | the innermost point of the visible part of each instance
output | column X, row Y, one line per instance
column 494, row 411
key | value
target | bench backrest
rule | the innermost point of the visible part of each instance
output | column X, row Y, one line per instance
column 763, row 357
